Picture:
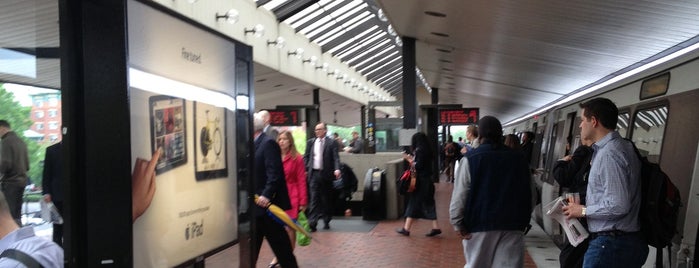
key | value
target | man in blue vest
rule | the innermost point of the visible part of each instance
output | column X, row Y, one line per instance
column 491, row 204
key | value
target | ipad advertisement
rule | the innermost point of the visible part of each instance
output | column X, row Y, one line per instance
column 181, row 89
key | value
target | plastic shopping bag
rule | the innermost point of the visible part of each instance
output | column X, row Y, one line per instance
column 49, row 212
column 302, row 239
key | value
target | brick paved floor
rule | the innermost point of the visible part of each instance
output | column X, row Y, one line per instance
column 381, row 247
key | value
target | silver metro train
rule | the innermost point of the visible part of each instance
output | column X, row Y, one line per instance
column 658, row 111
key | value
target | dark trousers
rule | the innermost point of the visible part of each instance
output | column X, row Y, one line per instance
column 58, row 228
column 572, row 257
column 278, row 240
column 320, row 206
column 14, row 192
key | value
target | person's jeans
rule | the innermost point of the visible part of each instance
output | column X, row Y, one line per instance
column 628, row 250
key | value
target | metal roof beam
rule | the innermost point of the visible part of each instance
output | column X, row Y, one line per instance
column 290, row 8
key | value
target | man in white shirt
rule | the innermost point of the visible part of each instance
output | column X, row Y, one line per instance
column 322, row 166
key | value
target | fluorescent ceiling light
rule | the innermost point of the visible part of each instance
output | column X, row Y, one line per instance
column 243, row 102
column 166, row 86
column 609, row 82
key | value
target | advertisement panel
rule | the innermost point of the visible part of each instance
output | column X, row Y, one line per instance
column 182, row 80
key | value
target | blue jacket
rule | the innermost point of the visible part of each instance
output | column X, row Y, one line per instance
column 499, row 198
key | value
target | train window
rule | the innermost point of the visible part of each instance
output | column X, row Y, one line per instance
column 656, row 86
column 649, row 128
column 622, row 125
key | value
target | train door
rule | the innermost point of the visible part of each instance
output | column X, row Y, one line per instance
column 648, row 133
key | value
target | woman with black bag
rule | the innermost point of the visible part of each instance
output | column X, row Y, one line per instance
column 421, row 204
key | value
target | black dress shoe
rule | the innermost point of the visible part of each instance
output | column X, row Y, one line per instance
column 313, row 229
column 434, row 232
column 403, row 231
column 326, row 227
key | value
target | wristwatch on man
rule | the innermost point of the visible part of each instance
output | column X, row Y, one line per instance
column 584, row 209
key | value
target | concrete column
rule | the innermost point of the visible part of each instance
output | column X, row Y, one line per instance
column 409, row 95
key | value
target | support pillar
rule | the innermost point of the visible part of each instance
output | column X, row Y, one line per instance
column 409, row 74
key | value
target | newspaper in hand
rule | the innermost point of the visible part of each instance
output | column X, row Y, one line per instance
column 49, row 212
column 573, row 229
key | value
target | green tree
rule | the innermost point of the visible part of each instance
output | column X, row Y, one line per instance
column 19, row 118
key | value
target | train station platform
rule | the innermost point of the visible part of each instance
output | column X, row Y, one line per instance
column 352, row 242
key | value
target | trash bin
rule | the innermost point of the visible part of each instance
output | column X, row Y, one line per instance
column 374, row 207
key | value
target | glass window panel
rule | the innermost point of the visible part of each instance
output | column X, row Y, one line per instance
column 622, row 125
column 649, row 128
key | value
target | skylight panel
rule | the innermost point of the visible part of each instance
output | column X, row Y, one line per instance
column 361, row 44
column 371, row 49
column 273, row 4
column 325, row 20
column 380, row 54
column 311, row 16
column 348, row 41
column 302, row 14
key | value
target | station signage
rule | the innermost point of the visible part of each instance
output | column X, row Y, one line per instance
column 284, row 118
column 463, row 116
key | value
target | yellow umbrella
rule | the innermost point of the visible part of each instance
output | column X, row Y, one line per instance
column 283, row 217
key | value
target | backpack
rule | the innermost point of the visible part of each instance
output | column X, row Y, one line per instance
column 449, row 149
column 660, row 205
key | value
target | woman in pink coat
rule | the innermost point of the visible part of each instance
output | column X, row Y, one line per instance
column 295, row 174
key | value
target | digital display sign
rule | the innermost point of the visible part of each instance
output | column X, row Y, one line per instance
column 464, row 116
column 284, row 118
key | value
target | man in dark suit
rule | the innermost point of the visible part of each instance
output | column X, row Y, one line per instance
column 322, row 166
column 52, row 185
column 269, row 130
column 270, row 185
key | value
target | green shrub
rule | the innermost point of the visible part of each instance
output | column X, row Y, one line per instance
column 33, row 197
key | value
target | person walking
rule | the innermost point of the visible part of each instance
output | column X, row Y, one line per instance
column 613, row 198
column 571, row 172
column 269, row 130
column 450, row 151
column 295, row 175
column 52, row 185
column 421, row 204
column 14, row 166
column 271, row 188
column 323, row 166
column 491, row 203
